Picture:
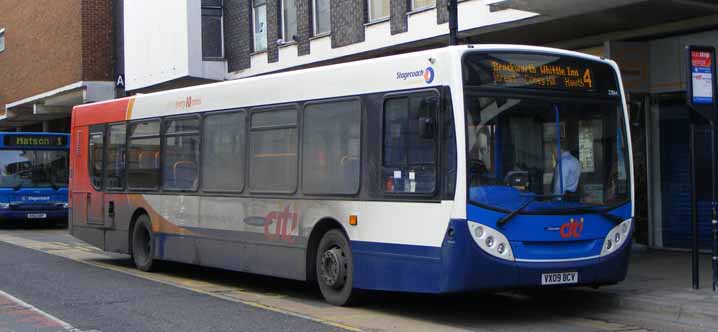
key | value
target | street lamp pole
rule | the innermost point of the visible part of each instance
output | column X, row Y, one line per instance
column 453, row 22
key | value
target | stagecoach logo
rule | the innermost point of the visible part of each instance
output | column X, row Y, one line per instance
column 35, row 198
column 188, row 102
column 571, row 229
column 427, row 74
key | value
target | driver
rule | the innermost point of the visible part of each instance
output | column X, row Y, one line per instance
column 570, row 173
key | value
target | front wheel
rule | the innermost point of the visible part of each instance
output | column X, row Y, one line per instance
column 142, row 244
column 335, row 268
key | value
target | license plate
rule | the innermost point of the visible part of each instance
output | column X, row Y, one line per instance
column 36, row 215
column 559, row 278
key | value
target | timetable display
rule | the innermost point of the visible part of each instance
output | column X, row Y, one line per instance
column 34, row 141
column 538, row 71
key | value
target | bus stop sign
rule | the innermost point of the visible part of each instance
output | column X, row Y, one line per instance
column 702, row 80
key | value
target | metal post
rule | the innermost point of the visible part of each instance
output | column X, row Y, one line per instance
column 694, row 208
column 453, row 22
column 714, row 220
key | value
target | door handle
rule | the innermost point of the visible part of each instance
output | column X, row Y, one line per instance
column 111, row 209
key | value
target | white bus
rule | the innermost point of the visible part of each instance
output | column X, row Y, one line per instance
column 460, row 168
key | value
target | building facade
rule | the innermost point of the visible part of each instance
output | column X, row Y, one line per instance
column 54, row 54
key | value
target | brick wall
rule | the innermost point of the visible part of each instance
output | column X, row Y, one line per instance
column 97, row 48
column 347, row 20
column 274, row 17
column 238, row 34
column 43, row 47
column 399, row 19
column 442, row 11
column 305, row 26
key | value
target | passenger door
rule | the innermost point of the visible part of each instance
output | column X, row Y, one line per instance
column 94, row 200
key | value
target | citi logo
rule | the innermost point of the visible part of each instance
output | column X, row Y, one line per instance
column 571, row 229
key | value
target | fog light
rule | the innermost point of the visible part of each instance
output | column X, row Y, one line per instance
column 609, row 244
column 479, row 232
column 501, row 248
column 490, row 241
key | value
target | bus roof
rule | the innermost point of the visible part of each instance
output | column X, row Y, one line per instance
column 424, row 69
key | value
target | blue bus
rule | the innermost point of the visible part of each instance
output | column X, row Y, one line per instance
column 33, row 177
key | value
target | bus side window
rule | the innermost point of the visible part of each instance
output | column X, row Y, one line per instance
column 143, row 155
column 273, row 151
column 96, row 156
column 181, row 154
column 223, row 152
column 116, row 150
column 410, row 136
column 331, row 147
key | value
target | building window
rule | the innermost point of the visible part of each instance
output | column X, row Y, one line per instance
column 421, row 4
column 289, row 18
column 322, row 17
column 223, row 152
column 2, row 39
column 260, row 25
column 212, row 29
column 273, row 151
column 331, row 147
column 378, row 9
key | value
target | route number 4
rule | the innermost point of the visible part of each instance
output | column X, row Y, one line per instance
column 587, row 78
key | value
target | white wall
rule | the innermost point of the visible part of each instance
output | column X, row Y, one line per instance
column 163, row 42
column 156, row 41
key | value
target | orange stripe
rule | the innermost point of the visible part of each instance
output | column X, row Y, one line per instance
column 130, row 106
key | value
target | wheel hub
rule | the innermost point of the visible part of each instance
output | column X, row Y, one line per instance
column 333, row 268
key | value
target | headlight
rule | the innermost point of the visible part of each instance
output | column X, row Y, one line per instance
column 616, row 237
column 4, row 206
column 491, row 241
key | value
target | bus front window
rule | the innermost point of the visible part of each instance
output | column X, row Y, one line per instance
column 33, row 168
column 550, row 155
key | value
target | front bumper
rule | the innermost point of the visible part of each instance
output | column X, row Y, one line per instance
column 57, row 216
column 468, row 267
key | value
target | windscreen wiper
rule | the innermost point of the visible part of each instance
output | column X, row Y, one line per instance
column 17, row 187
column 513, row 213
column 605, row 213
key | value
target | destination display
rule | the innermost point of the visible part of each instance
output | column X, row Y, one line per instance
column 538, row 71
column 34, row 141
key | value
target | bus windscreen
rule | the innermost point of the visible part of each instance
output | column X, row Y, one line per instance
column 538, row 72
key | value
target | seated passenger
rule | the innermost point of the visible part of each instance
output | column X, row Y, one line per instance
column 570, row 173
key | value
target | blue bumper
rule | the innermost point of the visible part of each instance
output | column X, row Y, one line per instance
column 460, row 265
column 59, row 215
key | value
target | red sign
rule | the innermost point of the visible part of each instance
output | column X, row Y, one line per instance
column 700, row 59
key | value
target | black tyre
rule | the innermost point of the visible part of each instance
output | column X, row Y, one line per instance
column 335, row 268
column 142, row 244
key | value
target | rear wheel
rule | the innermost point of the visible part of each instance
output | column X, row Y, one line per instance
column 142, row 244
column 335, row 268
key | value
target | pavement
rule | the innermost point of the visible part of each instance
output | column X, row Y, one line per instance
column 656, row 296
column 659, row 283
